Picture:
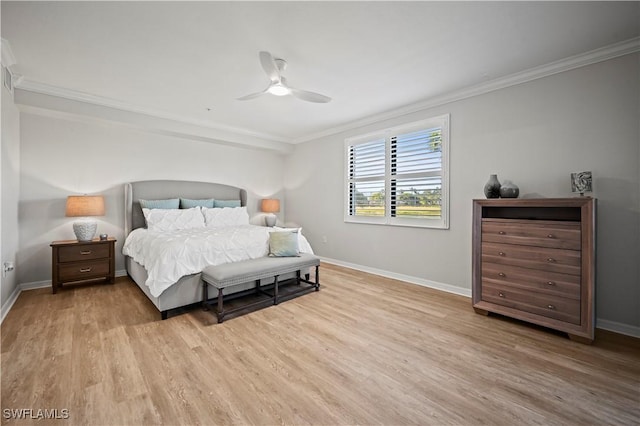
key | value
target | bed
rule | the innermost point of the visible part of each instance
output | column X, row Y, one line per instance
column 186, row 290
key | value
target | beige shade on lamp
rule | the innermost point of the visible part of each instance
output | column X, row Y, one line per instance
column 270, row 206
column 84, row 206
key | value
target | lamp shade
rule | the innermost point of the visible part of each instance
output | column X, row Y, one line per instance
column 270, row 205
column 85, row 205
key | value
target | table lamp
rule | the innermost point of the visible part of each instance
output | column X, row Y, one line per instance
column 270, row 206
column 84, row 206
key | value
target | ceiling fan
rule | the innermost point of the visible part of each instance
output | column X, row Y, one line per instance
column 278, row 86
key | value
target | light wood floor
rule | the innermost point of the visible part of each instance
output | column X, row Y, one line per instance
column 363, row 350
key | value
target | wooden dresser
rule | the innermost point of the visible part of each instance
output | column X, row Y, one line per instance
column 534, row 260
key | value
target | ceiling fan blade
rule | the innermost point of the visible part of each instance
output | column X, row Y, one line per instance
column 309, row 96
column 269, row 66
column 252, row 95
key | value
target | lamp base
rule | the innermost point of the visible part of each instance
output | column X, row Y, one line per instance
column 270, row 220
column 85, row 230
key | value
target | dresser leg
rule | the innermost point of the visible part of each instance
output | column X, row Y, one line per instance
column 580, row 339
column 481, row 311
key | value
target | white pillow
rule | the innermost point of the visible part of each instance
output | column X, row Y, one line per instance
column 225, row 216
column 173, row 219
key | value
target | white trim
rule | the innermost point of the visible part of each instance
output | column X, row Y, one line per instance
column 60, row 92
column 386, row 135
column 598, row 55
column 401, row 277
column 7, row 54
column 32, row 286
column 592, row 57
column 51, row 105
column 9, row 303
column 616, row 327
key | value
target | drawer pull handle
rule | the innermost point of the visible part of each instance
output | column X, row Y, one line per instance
column 84, row 253
column 502, row 274
column 501, row 294
column 551, row 283
column 85, row 270
column 501, row 253
column 501, row 232
column 551, row 307
column 550, row 236
column 550, row 259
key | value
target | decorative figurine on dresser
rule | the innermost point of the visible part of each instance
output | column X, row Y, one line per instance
column 534, row 260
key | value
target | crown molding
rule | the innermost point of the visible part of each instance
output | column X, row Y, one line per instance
column 7, row 54
column 50, row 105
column 176, row 125
column 64, row 93
column 577, row 61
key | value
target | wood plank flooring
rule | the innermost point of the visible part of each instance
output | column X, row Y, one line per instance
column 363, row 350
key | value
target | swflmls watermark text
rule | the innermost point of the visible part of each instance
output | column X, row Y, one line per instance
column 35, row 414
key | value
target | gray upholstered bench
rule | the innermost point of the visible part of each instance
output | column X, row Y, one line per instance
column 231, row 274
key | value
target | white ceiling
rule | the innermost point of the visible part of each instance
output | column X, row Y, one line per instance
column 190, row 61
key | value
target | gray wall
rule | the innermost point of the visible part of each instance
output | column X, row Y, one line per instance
column 10, row 158
column 534, row 134
column 60, row 157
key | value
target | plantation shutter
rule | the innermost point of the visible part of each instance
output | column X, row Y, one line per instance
column 399, row 175
column 367, row 178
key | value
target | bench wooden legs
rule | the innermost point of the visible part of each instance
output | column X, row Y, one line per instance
column 273, row 298
column 220, row 306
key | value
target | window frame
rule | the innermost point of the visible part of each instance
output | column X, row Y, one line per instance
column 442, row 122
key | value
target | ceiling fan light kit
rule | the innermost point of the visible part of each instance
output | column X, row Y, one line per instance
column 279, row 87
column 279, row 90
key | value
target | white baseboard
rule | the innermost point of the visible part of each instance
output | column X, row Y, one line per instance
column 617, row 327
column 32, row 286
column 401, row 277
column 9, row 303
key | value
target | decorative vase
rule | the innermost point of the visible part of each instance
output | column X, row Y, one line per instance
column 509, row 190
column 492, row 187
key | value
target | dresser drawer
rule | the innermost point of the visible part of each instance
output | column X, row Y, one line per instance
column 559, row 308
column 83, row 252
column 544, row 281
column 550, row 259
column 565, row 235
column 83, row 270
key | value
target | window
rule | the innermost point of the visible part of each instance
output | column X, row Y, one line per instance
column 399, row 176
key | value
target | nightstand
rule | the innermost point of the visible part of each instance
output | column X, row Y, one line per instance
column 74, row 261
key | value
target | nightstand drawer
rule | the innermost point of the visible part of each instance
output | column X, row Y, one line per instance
column 83, row 270
column 83, row 252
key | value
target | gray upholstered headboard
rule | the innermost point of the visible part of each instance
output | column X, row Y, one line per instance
column 163, row 189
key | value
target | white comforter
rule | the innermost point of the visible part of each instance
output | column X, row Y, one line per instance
column 167, row 256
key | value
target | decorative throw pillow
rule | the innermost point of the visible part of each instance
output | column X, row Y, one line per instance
column 188, row 203
column 283, row 244
column 171, row 203
column 226, row 203
column 226, row 216
column 162, row 220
